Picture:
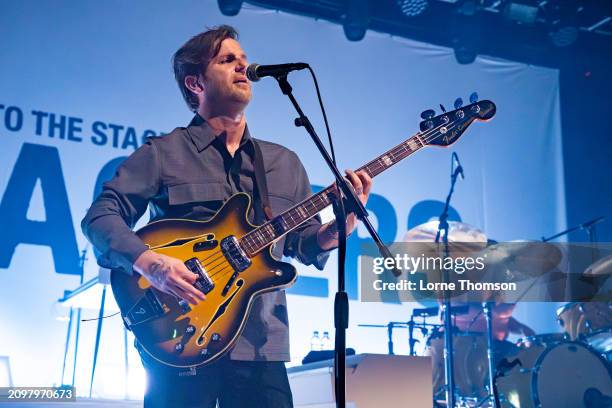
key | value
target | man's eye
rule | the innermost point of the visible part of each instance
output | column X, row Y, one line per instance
column 229, row 59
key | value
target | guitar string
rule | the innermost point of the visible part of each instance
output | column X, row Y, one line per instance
column 254, row 249
column 394, row 153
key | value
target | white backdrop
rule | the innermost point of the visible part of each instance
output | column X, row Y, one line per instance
column 109, row 62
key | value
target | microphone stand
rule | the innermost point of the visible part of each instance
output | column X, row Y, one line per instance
column 341, row 304
column 449, row 376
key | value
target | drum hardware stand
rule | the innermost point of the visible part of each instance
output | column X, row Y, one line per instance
column 449, row 376
column 82, row 260
column 488, row 312
column 352, row 204
column 589, row 226
column 411, row 325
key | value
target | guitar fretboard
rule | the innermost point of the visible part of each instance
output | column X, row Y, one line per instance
column 263, row 236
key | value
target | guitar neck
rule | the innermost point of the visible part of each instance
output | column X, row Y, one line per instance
column 282, row 224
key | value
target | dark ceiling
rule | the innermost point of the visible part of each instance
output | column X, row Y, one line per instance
column 543, row 32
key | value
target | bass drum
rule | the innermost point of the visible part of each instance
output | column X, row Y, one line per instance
column 549, row 374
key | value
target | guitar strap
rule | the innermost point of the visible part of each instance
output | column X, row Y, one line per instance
column 263, row 212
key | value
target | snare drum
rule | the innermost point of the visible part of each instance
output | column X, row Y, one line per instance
column 552, row 373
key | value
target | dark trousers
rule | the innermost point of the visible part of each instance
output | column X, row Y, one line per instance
column 231, row 384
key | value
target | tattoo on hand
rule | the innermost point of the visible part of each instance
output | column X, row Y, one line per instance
column 158, row 272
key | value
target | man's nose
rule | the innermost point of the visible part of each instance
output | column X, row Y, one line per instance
column 241, row 65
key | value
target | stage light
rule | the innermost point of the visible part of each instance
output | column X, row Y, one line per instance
column 230, row 7
column 466, row 41
column 412, row 8
column 521, row 12
column 464, row 54
column 356, row 20
column 561, row 18
column 563, row 35
column 5, row 372
column 467, row 7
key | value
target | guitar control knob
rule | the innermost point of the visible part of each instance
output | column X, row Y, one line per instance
column 190, row 329
column 185, row 308
column 204, row 352
column 215, row 337
column 178, row 347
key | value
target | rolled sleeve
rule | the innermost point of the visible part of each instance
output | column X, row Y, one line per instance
column 109, row 221
column 302, row 242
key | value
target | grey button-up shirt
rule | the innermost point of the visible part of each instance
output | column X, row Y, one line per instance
column 189, row 174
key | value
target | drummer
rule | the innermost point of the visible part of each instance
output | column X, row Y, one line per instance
column 474, row 320
column 503, row 322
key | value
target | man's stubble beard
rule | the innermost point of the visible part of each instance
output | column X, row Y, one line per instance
column 230, row 94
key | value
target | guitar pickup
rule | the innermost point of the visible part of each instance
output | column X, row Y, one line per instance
column 229, row 284
column 235, row 255
column 203, row 283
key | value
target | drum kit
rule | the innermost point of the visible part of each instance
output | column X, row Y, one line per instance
column 557, row 370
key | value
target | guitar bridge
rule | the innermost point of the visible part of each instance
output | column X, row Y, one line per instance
column 234, row 254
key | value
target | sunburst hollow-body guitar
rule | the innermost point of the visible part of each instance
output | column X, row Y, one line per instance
column 233, row 262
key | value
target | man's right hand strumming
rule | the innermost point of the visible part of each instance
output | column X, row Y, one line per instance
column 170, row 275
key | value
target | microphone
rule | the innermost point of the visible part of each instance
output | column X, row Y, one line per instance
column 459, row 166
column 255, row 71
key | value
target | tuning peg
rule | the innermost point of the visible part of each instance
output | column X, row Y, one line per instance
column 473, row 97
column 428, row 114
column 443, row 109
column 458, row 103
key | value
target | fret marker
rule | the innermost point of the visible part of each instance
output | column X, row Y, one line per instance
column 412, row 145
column 387, row 160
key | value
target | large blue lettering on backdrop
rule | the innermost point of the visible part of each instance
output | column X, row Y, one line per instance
column 57, row 231
column 36, row 162
column 382, row 209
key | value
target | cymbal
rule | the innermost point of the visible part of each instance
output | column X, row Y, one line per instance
column 600, row 268
column 457, row 232
column 530, row 258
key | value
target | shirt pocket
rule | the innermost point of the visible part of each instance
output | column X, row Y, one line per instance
column 195, row 193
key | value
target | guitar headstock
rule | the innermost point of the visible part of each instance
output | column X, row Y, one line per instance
column 445, row 129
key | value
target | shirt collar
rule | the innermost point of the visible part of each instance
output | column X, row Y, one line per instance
column 202, row 134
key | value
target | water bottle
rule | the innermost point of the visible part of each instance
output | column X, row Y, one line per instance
column 326, row 343
column 315, row 341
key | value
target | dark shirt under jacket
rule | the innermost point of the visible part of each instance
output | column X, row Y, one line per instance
column 189, row 174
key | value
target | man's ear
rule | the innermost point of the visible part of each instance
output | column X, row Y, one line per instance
column 192, row 82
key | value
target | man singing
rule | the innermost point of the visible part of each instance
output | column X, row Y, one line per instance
column 189, row 173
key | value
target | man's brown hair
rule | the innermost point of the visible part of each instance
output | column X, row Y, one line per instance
column 193, row 57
